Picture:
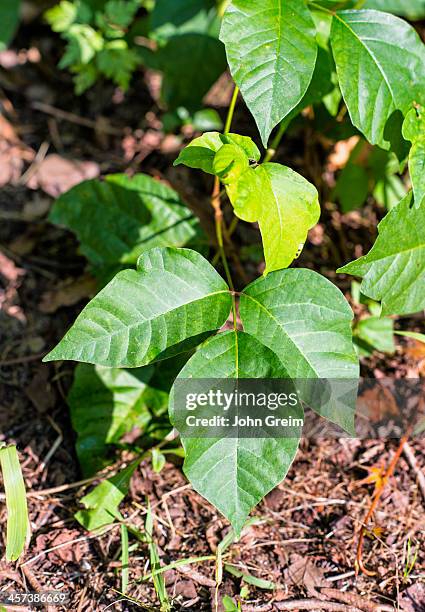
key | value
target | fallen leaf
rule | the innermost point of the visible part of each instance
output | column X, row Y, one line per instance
column 341, row 154
column 40, row 392
column 68, row 293
column 13, row 153
column 56, row 174
column 303, row 572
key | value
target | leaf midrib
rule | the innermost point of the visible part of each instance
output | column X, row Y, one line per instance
column 280, row 326
column 372, row 55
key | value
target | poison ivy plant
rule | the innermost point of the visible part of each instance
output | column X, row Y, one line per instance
column 131, row 215
column 284, row 56
column 393, row 271
column 105, row 404
column 380, row 62
column 235, row 473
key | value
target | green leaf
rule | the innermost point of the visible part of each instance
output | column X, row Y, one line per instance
column 306, row 321
column 380, row 62
column 119, row 218
column 235, row 473
column 121, row 12
column 187, row 76
column 9, row 19
column 285, row 205
column 393, row 271
column 117, row 62
column 83, row 44
column 155, row 563
column 101, row 504
column 61, row 16
column 352, row 187
column 105, row 404
column 175, row 296
column 170, row 18
column 16, row 503
column 414, row 130
column 375, row 333
column 414, row 335
column 271, row 50
column 412, row 9
column 158, row 460
column 201, row 152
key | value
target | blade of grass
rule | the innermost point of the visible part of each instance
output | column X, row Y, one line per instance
column 16, row 503
column 414, row 335
column 158, row 578
column 124, row 559
column 249, row 579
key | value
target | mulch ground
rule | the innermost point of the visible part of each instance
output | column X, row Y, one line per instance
column 305, row 533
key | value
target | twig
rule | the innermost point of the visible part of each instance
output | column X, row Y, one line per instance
column 195, row 576
column 409, row 455
column 72, row 118
column 353, row 599
column 25, row 359
column 314, row 604
column 38, row 160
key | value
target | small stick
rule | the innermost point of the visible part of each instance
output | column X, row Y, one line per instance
column 409, row 455
column 314, row 604
column 72, row 118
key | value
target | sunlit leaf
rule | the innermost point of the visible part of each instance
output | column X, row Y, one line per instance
column 393, row 271
column 271, row 50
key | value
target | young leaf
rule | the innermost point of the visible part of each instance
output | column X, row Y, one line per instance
column 235, row 473
column 380, row 62
column 285, row 205
column 200, row 153
column 173, row 297
column 101, row 504
column 271, row 50
column 16, row 503
column 393, row 271
column 9, row 18
column 61, row 16
column 106, row 403
column 306, row 321
column 414, row 130
column 119, row 218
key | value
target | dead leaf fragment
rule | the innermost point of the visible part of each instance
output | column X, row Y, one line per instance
column 68, row 293
column 302, row 572
column 56, row 174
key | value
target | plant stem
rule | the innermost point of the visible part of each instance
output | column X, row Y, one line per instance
column 271, row 151
column 231, row 110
